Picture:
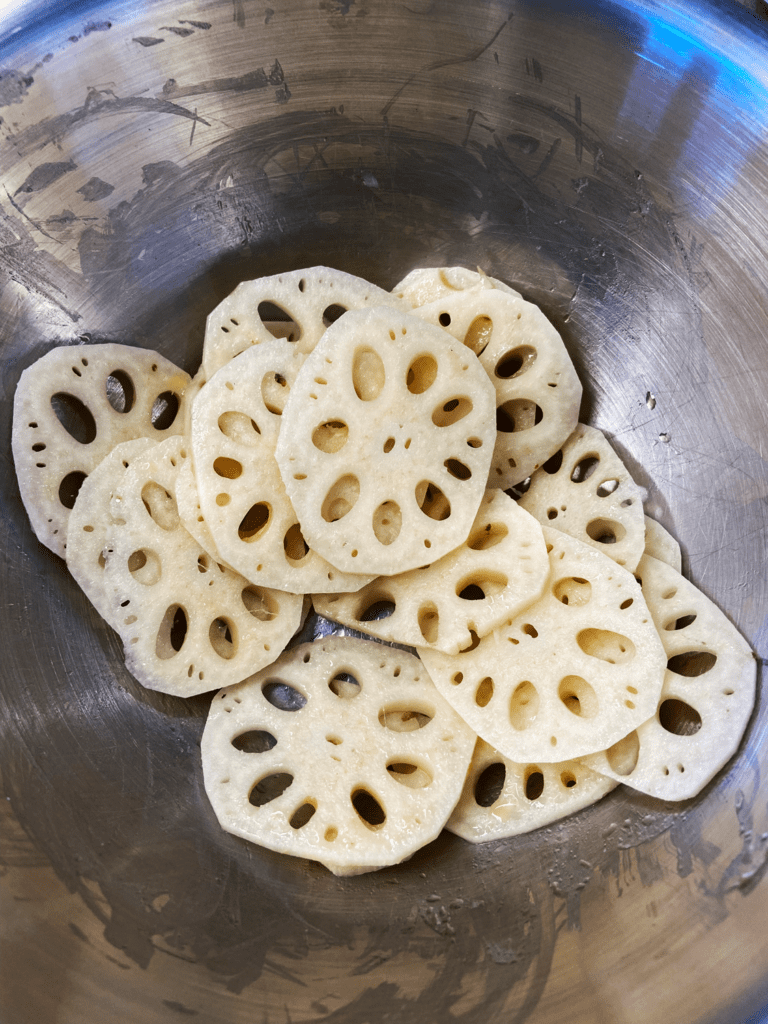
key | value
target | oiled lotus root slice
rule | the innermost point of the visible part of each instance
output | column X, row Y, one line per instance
column 498, row 571
column 90, row 522
column 188, row 624
column 385, row 442
column 706, row 701
column 432, row 283
column 235, row 425
column 311, row 299
column 341, row 752
column 585, row 490
column 503, row 798
column 537, row 389
column 70, row 410
column 659, row 543
column 580, row 665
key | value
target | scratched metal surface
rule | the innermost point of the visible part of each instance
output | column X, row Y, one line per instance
column 610, row 159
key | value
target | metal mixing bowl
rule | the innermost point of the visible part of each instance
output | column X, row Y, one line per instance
column 608, row 158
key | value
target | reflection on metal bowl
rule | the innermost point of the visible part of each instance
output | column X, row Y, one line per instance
column 609, row 159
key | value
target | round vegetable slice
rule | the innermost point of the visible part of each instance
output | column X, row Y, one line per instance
column 385, row 442
column 659, row 543
column 706, row 701
column 188, row 624
column 429, row 284
column 71, row 408
column 585, row 490
column 497, row 572
column 235, row 424
column 581, row 664
column 341, row 752
column 537, row 389
column 502, row 798
column 301, row 304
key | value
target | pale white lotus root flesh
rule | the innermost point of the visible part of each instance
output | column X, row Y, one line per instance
column 71, row 408
column 342, row 752
column 310, row 299
column 502, row 798
column 90, row 524
column 659, row 543
column 581, row 664
column 499, row 570
column 706, row 701
column 188, row 624
column 235, row 424
column 537, row 389
column 585, row 490
column 432, row 283
column 386, row 441
column 190, row 512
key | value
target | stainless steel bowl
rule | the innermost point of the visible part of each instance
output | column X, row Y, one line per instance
column 607, row 157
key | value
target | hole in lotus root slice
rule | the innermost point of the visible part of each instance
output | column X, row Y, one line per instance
column 607, row 487
column 368, row 808
column 223, row 638
column 567, row 779
column 413, row 776
column 678, row 717
column 282, row 695
column 255, row 741
column 489, row 784
column 584, row 468
column 622, row 756
column 121, row 393
column 450, row 412
column 387, row 522
column 269, row 788
column 145, row 566
column 295, row 547
column 517, row 415
column 381, row 608
column 255, row 522
column 259, row 603
column 484, row 692
column 240, row 428
column 553, row 463
column 368, row 374
column 479, row 334
column 331, row 436
column 230, row 469
column 278, row 321
column 457, row 469
column 165, row 409
column 69, row 488
column 76, row 418
column 515, row 362
column 341, row 498
column 160, row 505
column 274, row 392
column 523, row 705
column 614, row 648
column 692, row 663
column 487, row 536
column 344, row 685
column 421, row 374
column 429, row 622
column 573, row 591
column 332, row 313
column 605, row 531
column 477, row 586
column 432, row 501
column 578, row 696
column 534, row 782
column 680, row 623
column 172, row 632
column 401, row 717
column 302, row 815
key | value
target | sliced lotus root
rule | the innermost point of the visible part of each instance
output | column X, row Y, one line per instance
column 308, row 299
column 188, row 623
column 341, row 752
column 537, row 389
column 432, row 283
column 585, row 490
column 90, row 522
column 706, row 701
column 385, row 442
column 576, row 666
column 659, row 543
column 70, row 410
column 190, row 513
column 499, row 570
column 502, row 798
column 235, row 424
